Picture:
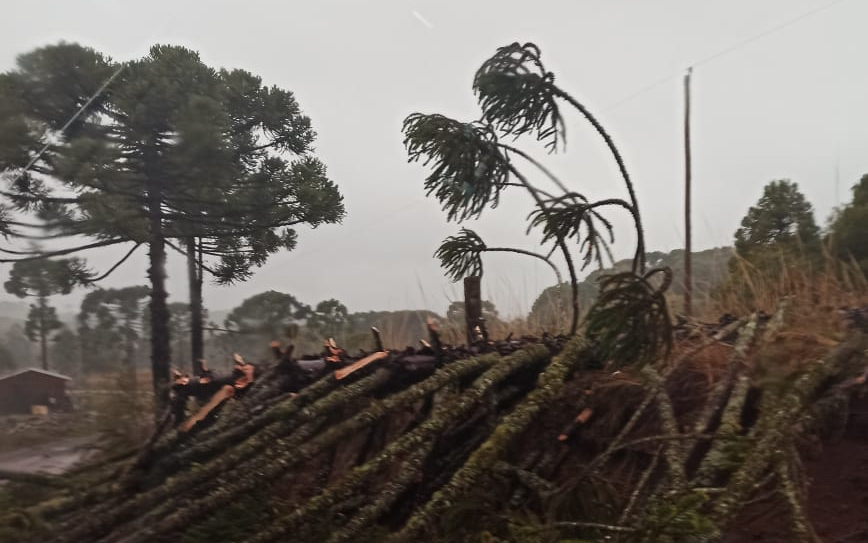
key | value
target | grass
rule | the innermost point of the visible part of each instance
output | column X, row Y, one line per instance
column 818, row 290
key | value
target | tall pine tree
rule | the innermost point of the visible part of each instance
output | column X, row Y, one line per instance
column 42, row 279
column 170, row 149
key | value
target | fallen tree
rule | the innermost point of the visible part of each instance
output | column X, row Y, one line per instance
column 407, row 448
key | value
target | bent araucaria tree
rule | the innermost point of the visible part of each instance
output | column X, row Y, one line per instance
column 471, row 166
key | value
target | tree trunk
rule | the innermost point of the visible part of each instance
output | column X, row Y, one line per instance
column 43, row 333
column 197, row 335
column 129, row 353
column 472, row 306
column 160, row 334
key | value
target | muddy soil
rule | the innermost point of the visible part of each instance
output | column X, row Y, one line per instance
column 53, row 457
column 837, row 491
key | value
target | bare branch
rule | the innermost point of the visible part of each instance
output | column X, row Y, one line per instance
column 116, row 266
column 38, row 255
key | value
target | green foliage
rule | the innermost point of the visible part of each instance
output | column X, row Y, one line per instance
column 549, row 310
column 564, row 218
column 778, row 242
column 850, row 225
column 469, row 169
column 44, row 278
column 170, row 149
column 455, row 316
column 42, row 320
column 111, row 325
column 710, row 269
column 300, row 193
column 630, row 318
column 516, row 94
column 268, row 314
column 461, row 255
column 234, row 522
column 782, row 220
column 677, row 517
column 329, row 318
column 476, row 471
column 41, row 279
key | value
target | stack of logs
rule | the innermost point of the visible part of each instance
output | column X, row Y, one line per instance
column 394, row 445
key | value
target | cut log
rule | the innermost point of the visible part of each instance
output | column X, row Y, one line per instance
column 344, row 372
column 225, row 392
column 378, row 341
column 583, row 417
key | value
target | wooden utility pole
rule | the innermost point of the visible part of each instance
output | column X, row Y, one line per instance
column 688, row 264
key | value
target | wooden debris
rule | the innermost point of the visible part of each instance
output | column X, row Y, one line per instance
column 344, row 372
column 225, row 392
column 216, row 391
column 335, row 353
column 378, row 341
column 583, row 417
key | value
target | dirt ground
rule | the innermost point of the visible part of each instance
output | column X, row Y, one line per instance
column 48, row 444
column 55, row 456
column 838, row 496
column 837, row 492
column 838, row 499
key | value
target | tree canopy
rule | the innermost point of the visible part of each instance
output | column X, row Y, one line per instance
column 268, row 313
column 782, row 219
column 455, row 314
column 166, row 147
column 329, row 318
column 110, row 324
column 42, row 279
column 850, row 227
column 471, row 167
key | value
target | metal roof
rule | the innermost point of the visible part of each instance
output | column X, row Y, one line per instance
column 37, row 370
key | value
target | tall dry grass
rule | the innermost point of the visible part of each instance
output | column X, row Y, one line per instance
column 819, row 289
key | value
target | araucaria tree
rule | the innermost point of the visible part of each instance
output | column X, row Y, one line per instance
column 472, row 166
column 42, row 279
column 782, row 221
column 169, row 149
column 110, row 327
column 850, row 225
column 268, row 313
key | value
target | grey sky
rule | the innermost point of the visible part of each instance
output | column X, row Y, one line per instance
column 788, row 105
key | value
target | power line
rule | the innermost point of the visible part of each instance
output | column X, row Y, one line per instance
column 71, row 120
column 725, row 51
column 772, row 30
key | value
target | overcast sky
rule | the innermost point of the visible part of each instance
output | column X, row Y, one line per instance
column 789, row 104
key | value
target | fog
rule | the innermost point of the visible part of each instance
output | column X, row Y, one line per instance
column 778, row 92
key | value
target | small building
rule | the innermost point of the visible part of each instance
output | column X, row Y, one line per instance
column 21, row 390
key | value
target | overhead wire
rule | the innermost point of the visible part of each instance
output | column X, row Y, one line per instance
column 722, row 52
